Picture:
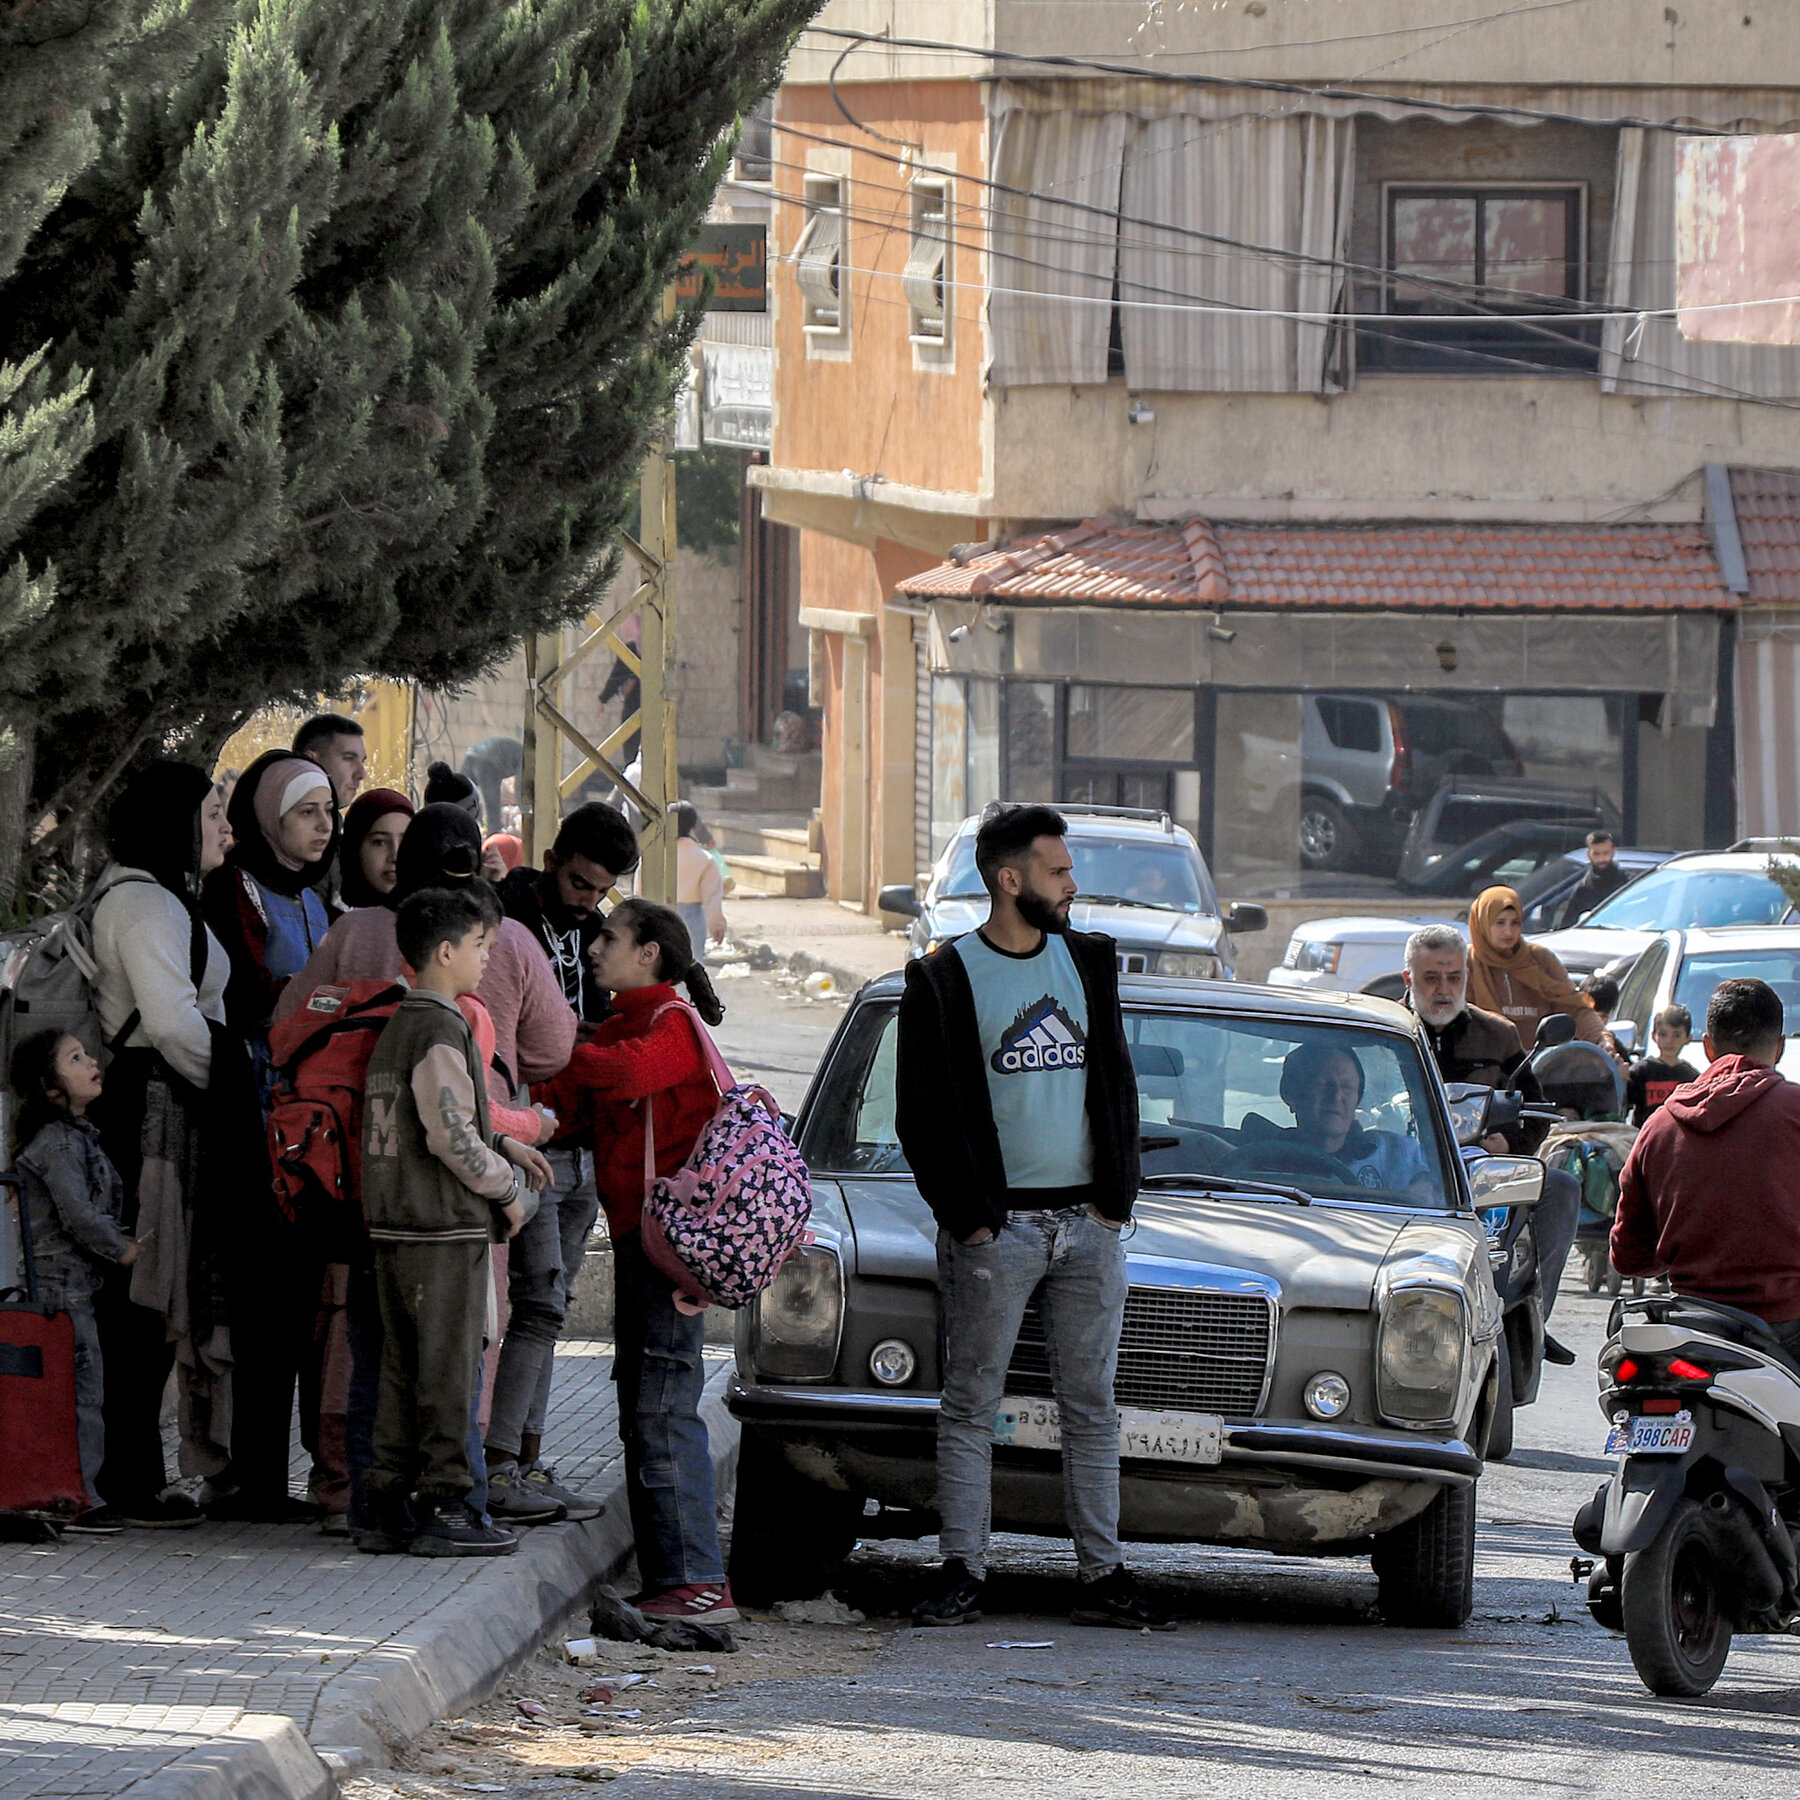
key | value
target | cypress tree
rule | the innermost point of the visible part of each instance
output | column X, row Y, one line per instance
column 370, row 302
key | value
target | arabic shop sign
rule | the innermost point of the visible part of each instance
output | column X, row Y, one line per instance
column 737, row 258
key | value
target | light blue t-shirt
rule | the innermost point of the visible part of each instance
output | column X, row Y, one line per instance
column 1032, row 1015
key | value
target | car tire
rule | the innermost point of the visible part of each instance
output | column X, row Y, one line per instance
column 789, row 1536
column 1328, row 840
column 1499, row 1444
column 1426, row 1568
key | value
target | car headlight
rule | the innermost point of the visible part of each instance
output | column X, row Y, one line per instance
column 1315, row 956
column 1193, row 965
column 1419, row 1363
column 799, row 1315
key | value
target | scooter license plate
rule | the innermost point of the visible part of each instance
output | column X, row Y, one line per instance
column 1670, row 1436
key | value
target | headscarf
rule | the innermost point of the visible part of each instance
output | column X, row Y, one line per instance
column 1533, row 973
column 276, row 782
column 365, row 810
column 512, row 852
column 441, row 849
column 154, row 825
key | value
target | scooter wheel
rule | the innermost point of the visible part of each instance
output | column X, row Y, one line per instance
column 1674, row 1614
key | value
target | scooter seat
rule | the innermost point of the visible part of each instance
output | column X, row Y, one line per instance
column 1714, row 1318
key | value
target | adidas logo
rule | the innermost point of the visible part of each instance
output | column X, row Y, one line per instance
column 1042, row 1037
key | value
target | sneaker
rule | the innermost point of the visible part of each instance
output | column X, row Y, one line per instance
column 1116, row 1599
column 1560, row 1354
column 540, row 1479
column 957, row 1600
column 513, row 1502
column 97, row 1521
column 388, row 1529
column 239, row 1508
column 335, row 1524
column 704, row 1602
column 450, row 1528
column 175, row 1513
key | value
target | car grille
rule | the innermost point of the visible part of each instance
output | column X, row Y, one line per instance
column 1134, row 962
column 1179, row 1351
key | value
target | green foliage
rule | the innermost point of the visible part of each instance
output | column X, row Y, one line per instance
column 709, row 499
column 1785, row 872
column 370, row 307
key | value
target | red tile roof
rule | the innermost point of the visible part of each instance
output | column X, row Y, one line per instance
column 1767, row 504
column 1655, row 568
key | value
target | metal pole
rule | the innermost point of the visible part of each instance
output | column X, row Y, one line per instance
column 656, row 877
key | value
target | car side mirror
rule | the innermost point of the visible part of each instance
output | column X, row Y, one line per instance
column 1505, row 1181
column 787, row 1123
column 1246, row 916
column 899, row 899
column 1553, row 1029
column 1624, row 1035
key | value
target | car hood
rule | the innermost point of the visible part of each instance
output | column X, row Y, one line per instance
column 1138, row 927
column 1371, row 930
column 1323, row 1256
column 1583, row 947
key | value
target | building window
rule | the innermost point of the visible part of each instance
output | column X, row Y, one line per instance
column 927, row 280
column 755, row 153
column 1461, row 265
column 819, row 258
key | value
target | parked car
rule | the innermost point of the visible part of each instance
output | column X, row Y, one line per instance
column 1681, row 968
column 1308, row 1362
column 1364, row 955
column 1511, row 854
column 1706, row 888
column 1463, row 809
column 1143, row 882
column 1368, row 762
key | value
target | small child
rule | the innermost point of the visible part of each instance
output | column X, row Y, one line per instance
column 1654, row 1079
column 74, row 1201
column 438, row 1186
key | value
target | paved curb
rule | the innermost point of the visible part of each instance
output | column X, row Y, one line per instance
column 459, row 1653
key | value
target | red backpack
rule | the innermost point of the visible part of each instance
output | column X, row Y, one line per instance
column 321, row 1055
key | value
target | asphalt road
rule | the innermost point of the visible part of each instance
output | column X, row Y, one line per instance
column 773, row 1034
column 1280, row 1680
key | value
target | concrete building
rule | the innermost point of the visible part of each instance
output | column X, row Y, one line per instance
column 1159, row 438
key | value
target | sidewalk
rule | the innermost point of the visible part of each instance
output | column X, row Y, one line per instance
column 245, row 1662
column 817, row 934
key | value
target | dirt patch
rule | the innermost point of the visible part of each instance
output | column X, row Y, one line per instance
column 685, row 1700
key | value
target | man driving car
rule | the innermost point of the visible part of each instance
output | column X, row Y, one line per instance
column 1483, row 1049
column 1322, row 1085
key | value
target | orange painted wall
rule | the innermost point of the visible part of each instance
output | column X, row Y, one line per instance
column 876, row 413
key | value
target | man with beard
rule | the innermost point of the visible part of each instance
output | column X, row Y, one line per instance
column 1017, row 1108
column 1472, row 1046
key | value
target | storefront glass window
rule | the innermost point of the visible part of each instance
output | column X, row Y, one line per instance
column 1129, row 724
column 1030, row 740
column 984, row 744
column 949, row 760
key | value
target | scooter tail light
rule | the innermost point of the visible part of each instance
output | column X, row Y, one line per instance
column 1626, row 1371
column 1683, row 1370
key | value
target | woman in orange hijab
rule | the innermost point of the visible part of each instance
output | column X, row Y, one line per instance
column 1520, row 981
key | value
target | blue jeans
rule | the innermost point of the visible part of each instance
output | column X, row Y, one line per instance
column 668, row 1461
column 362, row 1315
column 1079, row 1264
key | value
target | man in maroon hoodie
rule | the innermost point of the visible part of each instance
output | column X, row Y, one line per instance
column 1710, row 1195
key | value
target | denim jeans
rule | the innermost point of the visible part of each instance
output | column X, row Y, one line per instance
column 577, row 1207
column 668, row 1462
column 1079, row 1263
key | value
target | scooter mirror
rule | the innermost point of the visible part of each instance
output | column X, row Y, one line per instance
column 1469, row 1103
column 1553, row 1029
column 1505, row 1181
column 1624, row 1035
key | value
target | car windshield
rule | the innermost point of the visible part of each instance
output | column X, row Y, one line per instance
column 1336, row 1111
column 1779, row 968
column 1165, row 876
column 1676, row 898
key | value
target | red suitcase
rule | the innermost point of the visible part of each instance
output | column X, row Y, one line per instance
column 40, row 1458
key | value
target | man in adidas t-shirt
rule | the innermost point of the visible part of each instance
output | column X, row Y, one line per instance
column 1017, row 1109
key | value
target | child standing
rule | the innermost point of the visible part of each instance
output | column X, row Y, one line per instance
column 1654, row 1079
column 438, row 1186
column 74, row 1201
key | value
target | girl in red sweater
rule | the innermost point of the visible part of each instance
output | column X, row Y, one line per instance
column 646, row 1057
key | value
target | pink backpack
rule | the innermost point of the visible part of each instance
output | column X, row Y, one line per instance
column 723, row 1224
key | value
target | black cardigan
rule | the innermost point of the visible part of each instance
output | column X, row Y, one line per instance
column 942, row 1111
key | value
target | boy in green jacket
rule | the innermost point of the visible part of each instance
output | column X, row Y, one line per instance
column 438, row 1188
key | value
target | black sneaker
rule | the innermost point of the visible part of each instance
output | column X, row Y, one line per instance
column 387, row 1529
column 957, row 1600
column 1559, row 1354
column 514, row 1502
column 97, row 1521
column 175, row 1513
column 1116, row 1599
column 450, row 1528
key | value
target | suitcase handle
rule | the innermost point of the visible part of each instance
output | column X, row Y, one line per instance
column 9, row 1179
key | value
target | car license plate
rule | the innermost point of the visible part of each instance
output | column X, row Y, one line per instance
column 1151, row 1436
column 1670, row 1436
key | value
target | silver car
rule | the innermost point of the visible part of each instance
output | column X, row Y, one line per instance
column 1308, row 1361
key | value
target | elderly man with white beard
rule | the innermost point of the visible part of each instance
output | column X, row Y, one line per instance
column 1479, row 1047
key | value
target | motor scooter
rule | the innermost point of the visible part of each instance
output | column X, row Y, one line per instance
column 1695, row 1531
